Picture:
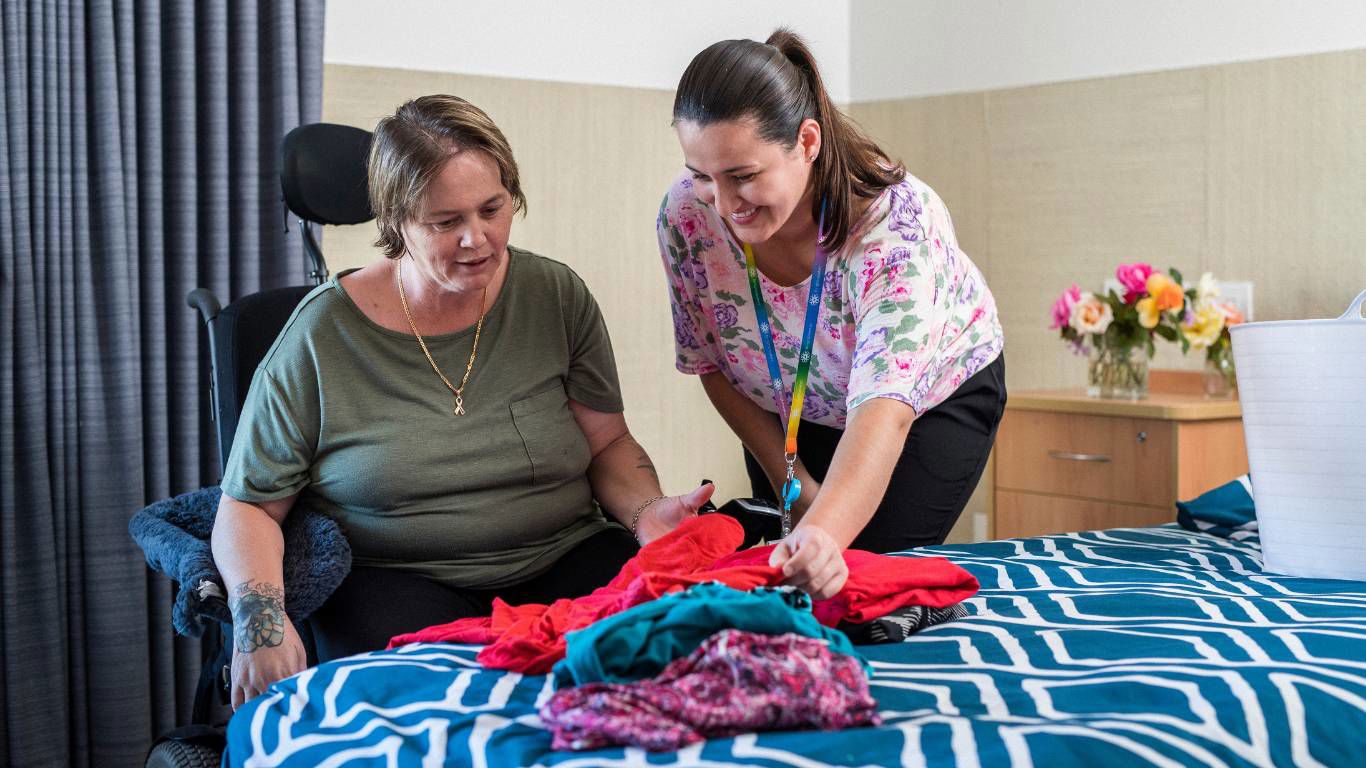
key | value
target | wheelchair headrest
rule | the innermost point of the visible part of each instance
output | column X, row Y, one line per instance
column 323, row 173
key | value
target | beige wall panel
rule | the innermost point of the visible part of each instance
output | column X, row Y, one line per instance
column 1288, row 181
column 595, row 161
column 942, row 141
column 1085, row 176
column 1249, row 170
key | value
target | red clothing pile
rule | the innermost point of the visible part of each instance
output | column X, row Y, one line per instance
column 531, row 638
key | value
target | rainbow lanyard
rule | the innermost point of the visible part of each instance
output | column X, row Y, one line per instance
column 792, row 488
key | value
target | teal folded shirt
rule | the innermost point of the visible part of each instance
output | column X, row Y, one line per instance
column 638, row 643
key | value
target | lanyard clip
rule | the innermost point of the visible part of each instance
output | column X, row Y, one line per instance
column 792, row 490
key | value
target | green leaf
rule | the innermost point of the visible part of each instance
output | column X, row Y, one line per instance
column 752, row 344
column 730, row 332
column 738, row 301
column 903, row 345
column 886, row 307
column 1166, row 331
column 1176, row 275
column 907, row 324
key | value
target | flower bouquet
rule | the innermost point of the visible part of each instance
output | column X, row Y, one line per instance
column 1119, row 332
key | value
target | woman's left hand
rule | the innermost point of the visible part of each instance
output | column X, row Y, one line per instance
column 669, row 512
column 811, row 561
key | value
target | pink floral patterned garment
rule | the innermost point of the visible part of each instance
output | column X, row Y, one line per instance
column 735, row 682
column 905, row 314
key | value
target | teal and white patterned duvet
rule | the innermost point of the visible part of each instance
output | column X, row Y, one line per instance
column 1155, row 646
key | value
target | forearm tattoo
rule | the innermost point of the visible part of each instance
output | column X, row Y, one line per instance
column 258, row 616
column 649, row 466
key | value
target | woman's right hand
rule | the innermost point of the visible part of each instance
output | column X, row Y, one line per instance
column 266, row 646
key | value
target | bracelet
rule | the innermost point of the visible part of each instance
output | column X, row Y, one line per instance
column 635, row 517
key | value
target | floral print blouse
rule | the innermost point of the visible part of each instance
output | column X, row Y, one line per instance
column 904, row 315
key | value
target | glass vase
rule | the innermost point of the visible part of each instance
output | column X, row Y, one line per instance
column 1221, row 379
column 1117, row 373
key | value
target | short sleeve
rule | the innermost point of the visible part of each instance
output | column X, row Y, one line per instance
column 682, row 269
column 909, row 294
column 275, row 443
column 592, row 378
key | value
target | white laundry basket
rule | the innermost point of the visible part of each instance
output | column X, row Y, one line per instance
column 1303, row 389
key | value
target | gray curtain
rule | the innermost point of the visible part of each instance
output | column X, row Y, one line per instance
column 138, row 160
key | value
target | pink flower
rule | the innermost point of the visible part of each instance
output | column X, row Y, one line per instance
column 868, row 272
column 690, row 220
column 1134, row 278
column 754, row 361
column 1062, row 308
column 903, row 360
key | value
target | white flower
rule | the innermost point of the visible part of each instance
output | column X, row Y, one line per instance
column 1207, row 289
column 1091, row 315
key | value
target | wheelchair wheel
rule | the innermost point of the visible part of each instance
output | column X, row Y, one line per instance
column 193, row 747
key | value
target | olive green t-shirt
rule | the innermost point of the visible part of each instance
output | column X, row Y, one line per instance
column 350, row 415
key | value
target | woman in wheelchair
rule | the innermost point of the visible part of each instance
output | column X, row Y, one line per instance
column 454, row 406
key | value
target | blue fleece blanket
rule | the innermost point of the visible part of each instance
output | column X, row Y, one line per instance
column 174, row 536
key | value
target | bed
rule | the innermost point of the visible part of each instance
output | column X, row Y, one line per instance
column 1152, row 646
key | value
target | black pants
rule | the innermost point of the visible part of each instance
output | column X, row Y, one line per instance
column 374, row 604
column 943, row 459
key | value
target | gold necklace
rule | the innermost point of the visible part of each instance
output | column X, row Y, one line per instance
column 459, row 391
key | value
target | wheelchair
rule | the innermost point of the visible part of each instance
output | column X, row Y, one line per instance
column 323, row 180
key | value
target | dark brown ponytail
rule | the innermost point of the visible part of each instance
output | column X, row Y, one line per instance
column 777, row 84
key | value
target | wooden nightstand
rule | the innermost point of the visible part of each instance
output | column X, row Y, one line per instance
column 1068, row 462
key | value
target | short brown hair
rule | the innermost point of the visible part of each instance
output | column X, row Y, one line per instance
column 409, row 148
column 777, row 84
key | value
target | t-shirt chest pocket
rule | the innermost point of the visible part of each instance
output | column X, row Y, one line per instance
column 555, row 445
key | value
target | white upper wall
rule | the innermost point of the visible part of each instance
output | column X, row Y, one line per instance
column 908, row 48
column 640, row 43
column 868, row 49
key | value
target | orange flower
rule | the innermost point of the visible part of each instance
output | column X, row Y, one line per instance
column 1166, row 293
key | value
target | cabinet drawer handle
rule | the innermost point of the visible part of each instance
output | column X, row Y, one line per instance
column 1065, row 456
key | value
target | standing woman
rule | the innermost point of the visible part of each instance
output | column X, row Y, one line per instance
column 792, row 238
